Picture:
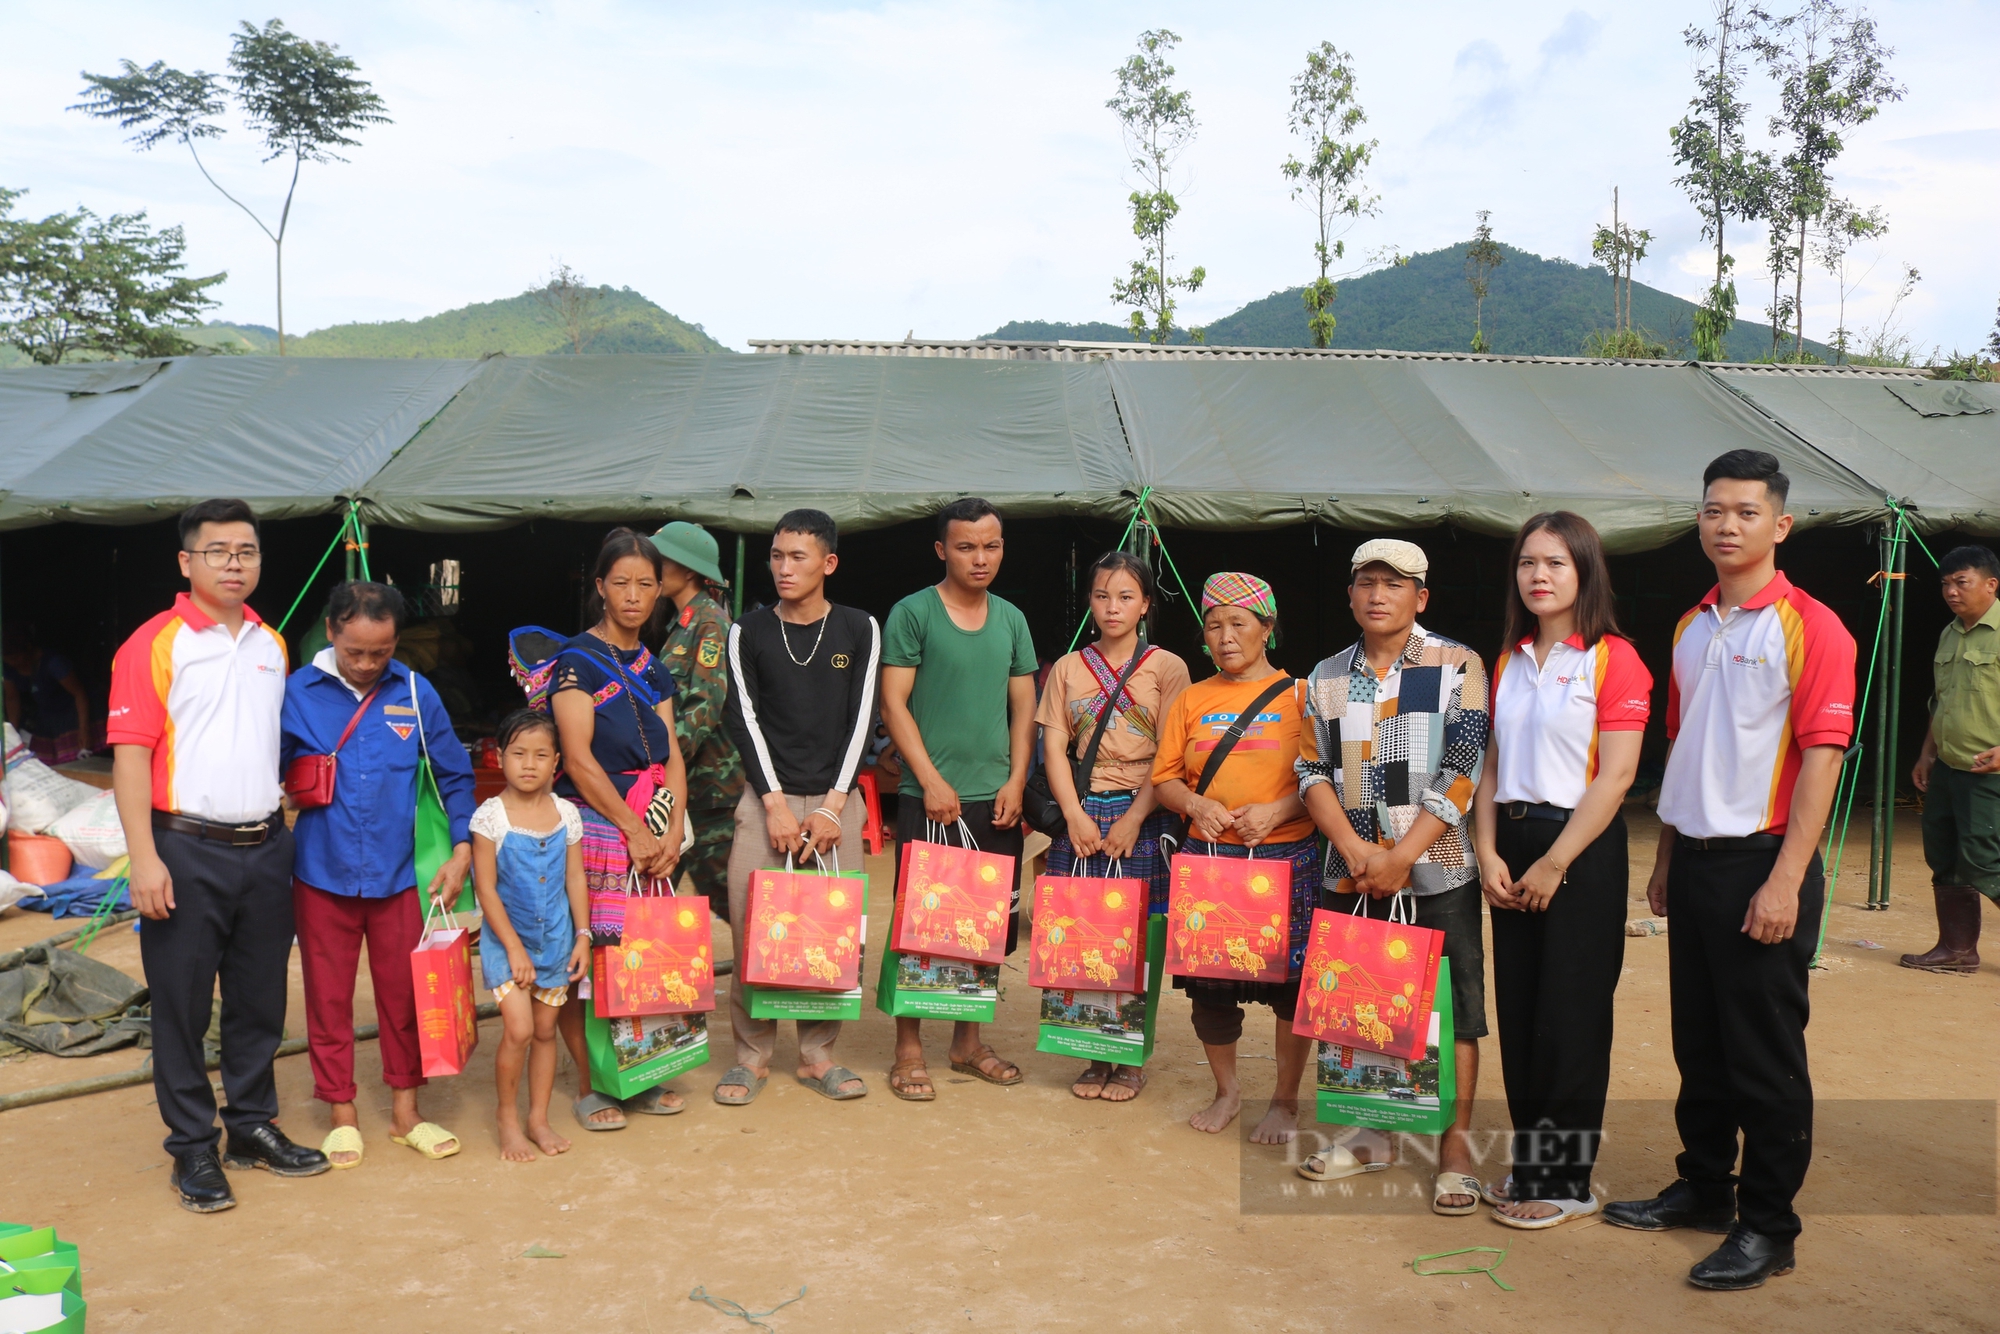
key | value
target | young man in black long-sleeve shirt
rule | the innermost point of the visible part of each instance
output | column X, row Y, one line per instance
column 801, row 706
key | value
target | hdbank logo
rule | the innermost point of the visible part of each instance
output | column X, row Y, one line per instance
column 1741, row 661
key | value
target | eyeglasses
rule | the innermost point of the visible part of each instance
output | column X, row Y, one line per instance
column 218, row 558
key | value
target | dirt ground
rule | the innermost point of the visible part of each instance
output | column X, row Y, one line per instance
column 1024, row 1208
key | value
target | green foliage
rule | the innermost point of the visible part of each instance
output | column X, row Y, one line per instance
column 1964, row 366
column 1325, row 114
column 1619, row 248
column 74, row 284
column 1158, row 123
column 1627, row 344
column 517, row 326
column 1548, row 307
column 302, row 96
column 1482, row 256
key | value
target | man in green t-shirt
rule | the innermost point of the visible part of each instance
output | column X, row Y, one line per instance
column 958, row 694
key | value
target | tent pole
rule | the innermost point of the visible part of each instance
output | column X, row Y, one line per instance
column 738, row 590
column 1899, row 554
column 350, row 546
column 1876, row 837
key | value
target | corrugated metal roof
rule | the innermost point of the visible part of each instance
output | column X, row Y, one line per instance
column 1066, row 350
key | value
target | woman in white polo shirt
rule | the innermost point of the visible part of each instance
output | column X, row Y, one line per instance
column 1570, row 703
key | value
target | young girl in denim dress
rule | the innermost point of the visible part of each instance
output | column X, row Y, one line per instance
column 527, row 867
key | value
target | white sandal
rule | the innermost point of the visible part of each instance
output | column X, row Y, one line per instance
column 1334, row 1163
column 1565, row 1211
column 1500, row 1194
column 1455, row 1183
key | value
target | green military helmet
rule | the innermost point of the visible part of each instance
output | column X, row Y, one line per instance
column 691, row 545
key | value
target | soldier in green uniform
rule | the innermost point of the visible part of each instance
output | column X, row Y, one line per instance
column 694, row 648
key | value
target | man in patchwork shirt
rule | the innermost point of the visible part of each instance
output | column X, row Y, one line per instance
column 1396, row 729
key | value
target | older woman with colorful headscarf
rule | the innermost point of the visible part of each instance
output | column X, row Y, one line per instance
column 1248, row 806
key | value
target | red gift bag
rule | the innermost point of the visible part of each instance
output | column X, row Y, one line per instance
column 953, row 902
column 1089, row 934
column 1370, row 983
column 804, row 931
column 447, row 1016
column 663, row 963
column 1229, row 917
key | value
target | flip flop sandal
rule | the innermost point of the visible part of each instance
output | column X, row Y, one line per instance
column 1128, row 1077
column 1454, row 1183
column 1092, row 1077
column 973, row 1068
column 1566, row 1210
column 425, row 1136
column 828, row 1084
column 740, row 1075
column 590, row 1105
column 653, row 1102
column 1500, row 1194
column 901, row 1082
column 344, row 1139
column 1334, row 1163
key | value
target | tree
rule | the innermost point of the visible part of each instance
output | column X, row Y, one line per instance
column 1722, row 175
column 1619, row 248
column 109, row 287
column 301, row 96
column 1993, row 339
column 1325, row 114
column 1158, row 124
column 574, row 306
column 1481, row 258
column 1832, row 75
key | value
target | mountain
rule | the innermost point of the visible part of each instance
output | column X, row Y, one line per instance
column 1534, row 307
column 517, row 326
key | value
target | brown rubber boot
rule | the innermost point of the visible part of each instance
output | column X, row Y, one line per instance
column 1957, row 949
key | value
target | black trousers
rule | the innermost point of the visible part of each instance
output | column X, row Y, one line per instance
column 913, row 827
column 1554, row 973
column 232, row 917
column 1740, row 1011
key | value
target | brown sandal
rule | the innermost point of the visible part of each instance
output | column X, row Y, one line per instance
column 976, row 1068
column 1093, row 1078
column 1126, row 1076
column 902, row 1078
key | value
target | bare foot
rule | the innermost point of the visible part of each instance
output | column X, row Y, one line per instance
column 1215, row 1117
column 1279, row 1126
column 1527, row 1208
column 547, row 1140
column 514, row 1146
column 1090, row 1084
column 343, row 1115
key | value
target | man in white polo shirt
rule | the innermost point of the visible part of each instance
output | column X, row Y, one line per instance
column 196, row 694
column 1760, row 707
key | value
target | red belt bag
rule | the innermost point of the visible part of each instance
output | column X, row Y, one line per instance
column 309, row 780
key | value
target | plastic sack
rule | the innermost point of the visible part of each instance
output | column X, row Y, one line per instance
column 37, row 796
column 12, row 891
column 91, row 832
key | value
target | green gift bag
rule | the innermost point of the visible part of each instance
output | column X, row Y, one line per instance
column 925, row 986
column 24, row 1247
column 789, row 1003
column 1114, row 1026
column 629, row 1056
column 1367, row 1088
column 433, row 834
column 41, row 1300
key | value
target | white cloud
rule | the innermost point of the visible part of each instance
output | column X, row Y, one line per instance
column 773, row 168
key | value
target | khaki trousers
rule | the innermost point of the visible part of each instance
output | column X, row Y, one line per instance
column 756, row 1039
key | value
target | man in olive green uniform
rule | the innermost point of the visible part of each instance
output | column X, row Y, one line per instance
column 1959, row 769
column 693, row 652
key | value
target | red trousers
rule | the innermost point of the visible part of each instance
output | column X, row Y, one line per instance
column 331, row 928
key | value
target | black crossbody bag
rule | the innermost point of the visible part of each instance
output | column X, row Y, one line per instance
column 1174, row 837
column 1039, row 806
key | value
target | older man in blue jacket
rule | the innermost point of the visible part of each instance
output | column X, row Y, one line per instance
column 355, row 876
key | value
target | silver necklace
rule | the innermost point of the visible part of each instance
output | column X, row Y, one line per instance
column 815, row 648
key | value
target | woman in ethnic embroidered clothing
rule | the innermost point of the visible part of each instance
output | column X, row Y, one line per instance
column 1117, row 820
column 613, row 703
column 1251, row 807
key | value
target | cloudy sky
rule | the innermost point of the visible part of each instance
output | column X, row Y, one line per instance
column 867, row 170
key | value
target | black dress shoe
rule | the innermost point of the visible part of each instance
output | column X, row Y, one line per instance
column 1744, row 1261
column 1676, row 1206
column 198, row 1179
column 264, row 1145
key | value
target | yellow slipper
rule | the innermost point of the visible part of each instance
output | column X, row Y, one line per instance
column 425, row 1137
column 344, row 1139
